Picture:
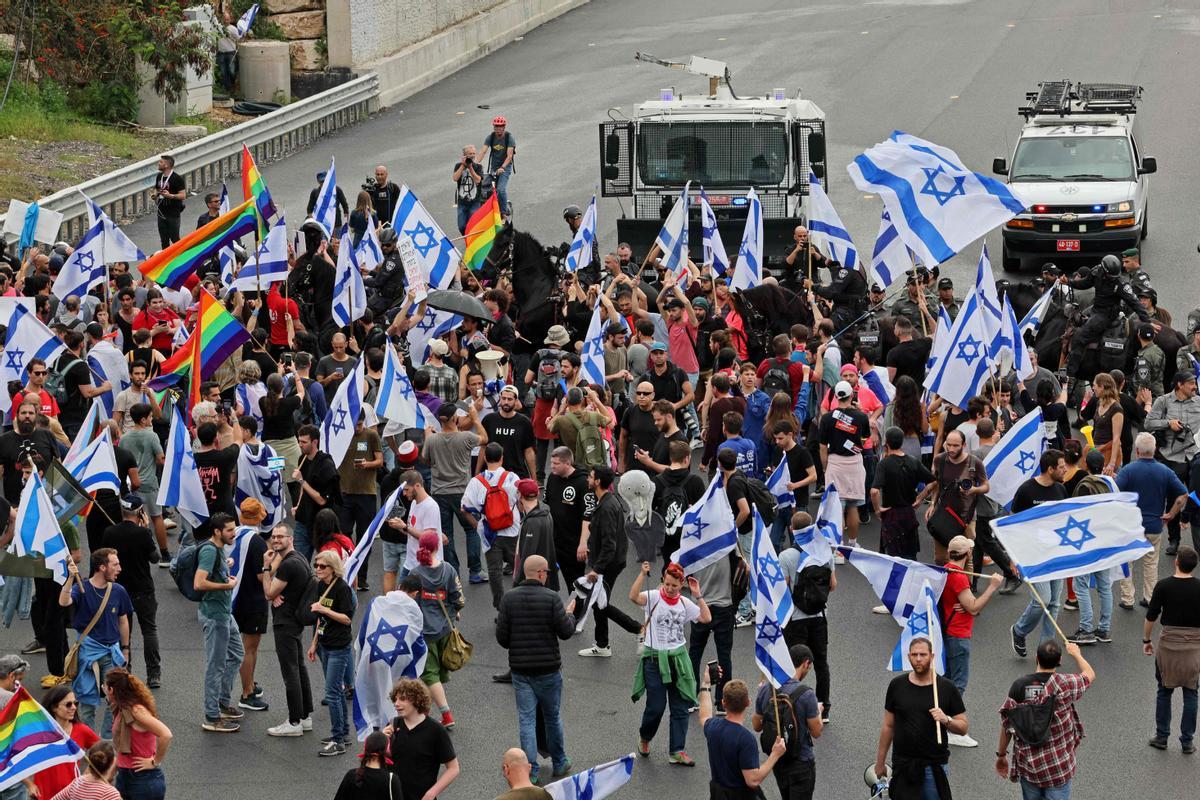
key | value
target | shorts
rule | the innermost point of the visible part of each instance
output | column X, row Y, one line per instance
column 150, row 501
column 253, row 623
column 393, row 556
column 434, row 673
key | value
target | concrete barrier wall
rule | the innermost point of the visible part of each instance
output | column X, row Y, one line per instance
column 411, row 44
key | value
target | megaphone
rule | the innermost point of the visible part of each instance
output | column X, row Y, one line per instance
column 489, row 364
column 876, row 783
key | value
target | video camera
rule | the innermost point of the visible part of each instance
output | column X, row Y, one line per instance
column 370, row 184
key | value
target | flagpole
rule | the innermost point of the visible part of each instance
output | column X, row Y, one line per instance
column 937, row 726
column 1049, row 616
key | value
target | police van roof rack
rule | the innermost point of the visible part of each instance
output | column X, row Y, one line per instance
column 1062, row 98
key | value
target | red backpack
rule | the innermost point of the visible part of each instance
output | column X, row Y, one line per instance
column 497, row 508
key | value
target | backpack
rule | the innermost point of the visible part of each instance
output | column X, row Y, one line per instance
column 589, row 443
column 497, row 509
column 1032, row 719
column 811, row 592
column 793, row 735
column 549, row 374
column 671, row 505
column 56, row 383
column 777, row 380
column 760, row 497
column 183, row 570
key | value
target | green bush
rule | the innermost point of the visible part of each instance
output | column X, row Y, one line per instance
column 111, row 101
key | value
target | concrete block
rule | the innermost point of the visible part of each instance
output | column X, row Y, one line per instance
column 264, row 69
column 301, row 24
column 304, row 55
column 288, row 6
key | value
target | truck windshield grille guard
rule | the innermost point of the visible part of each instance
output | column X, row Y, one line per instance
column 715, row 154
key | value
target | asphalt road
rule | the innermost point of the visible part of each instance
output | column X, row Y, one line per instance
column 949, row 71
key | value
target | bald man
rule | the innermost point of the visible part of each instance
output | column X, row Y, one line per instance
column 797, row 259
column 384, row 195
column 515, row 767
column 531, row 621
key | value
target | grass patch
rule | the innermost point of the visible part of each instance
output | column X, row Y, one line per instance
column 26, row 122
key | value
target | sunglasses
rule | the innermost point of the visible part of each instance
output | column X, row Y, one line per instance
column 321, row 566
column 70, row 703
column 645, row 394
column 39, row 372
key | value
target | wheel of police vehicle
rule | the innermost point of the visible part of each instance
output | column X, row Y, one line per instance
column 1010, row 263
column 1145, row 223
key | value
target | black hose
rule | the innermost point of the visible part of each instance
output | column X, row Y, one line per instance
column 249, row 109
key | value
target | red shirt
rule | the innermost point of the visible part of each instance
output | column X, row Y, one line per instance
column 795, row 371
column 277, row 307
column 148, row 319
column 47, row 406
column 958, row 624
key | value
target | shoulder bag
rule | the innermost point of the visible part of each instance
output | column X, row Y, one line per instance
column 456, row 652
column 71, row 663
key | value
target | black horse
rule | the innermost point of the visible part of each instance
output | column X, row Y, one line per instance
column 534, row 273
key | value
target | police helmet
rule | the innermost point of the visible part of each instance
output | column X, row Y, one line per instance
column 571, row 212
column 1111, row 265
column 387, row 235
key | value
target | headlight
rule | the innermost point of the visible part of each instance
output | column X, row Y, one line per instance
column 1124, row 205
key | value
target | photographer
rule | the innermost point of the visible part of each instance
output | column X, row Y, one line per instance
column 468, row 178
column 1174, row 419
column 961, row 478
column 384, row 194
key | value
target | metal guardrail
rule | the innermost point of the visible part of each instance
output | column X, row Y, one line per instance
column 125, row 193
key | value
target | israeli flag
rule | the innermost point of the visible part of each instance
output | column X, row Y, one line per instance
column 773, row 608
column 181, row 487
column 108, row 363
column 226, row 256
column 825, row 228
column 95, row 466
column 324, row 211
column 28, row 338
column 1032, row 321
column 747, row 272
column 395, row 401
column 246, row 20
column 36, row 531
column 369, row 252
column 349, row 293
column 436, row 253
column 965, row 363
column 897, row 581
column 256, row 479
column 84, row 268
column 1015, row 458
column 890, row 258
column 271, row 265
column 390, row 647
column 830, row 516
column 595, row 783
column 87, row 432
column 941, row 337
column 989, row 301
column 1014, row 344
column 593, row 348
column 814, row 548
column 878, row 382
column 714, row 249
column 239, row 550
column 777, row 483
column 673, row 238
column 924, row 622
column 937, row 204
column 1065, row 538
column 580, row 253
column 1195, row 365
column 355, row 560
column 117, row 245
column 707, row 531
column 435, row 324
column 337, row 429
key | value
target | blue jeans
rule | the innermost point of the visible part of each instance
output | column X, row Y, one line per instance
column 929, row 788
column 1104, row 590
column 658, row 694
column 781, row 528
column 356, row 514
column 451, row 508
column 87, row 712
column 502, row 190
column 1031, row 792
column 544, row 692
column 958, row 661
column 339, row 674
column 302, row 541
column 150, row 784
column 1052, row 594
column 465, row 210
column 223, row 654
column 745, row 542
column 1162, row 712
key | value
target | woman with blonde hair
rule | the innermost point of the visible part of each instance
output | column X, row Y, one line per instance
column 141, row 739
column 250, row 391
column 1107, row 423
column 334, row 609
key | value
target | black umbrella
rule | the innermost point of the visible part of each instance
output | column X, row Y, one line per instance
column 458, row 303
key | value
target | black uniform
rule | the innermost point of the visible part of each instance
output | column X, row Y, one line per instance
column 847, row 291
column 387, row 283
column 1110, row 294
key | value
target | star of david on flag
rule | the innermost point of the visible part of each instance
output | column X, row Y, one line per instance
column 36, row 531
column 772, row 605
column 925, row 623
column 708, row 531
column 1075, row 533
column 438, row 257
column 747, row 272
column 256, row 479
column 592, row 357
column 959, row 372
column 337, row 429
column 84, row 268
column 673, row 238
column 714, row 248
column 180, row 486
column 390, row 647
column 1015, row 457
column 595, row 783
column 28, row 337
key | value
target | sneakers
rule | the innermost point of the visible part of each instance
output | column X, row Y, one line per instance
column 838, row 558
column 1018, row 643
column 1071, row 605
column 258, row 690
column 477, row 577
column 743, row 620
column 33, row 648
column 154, row 682
column 1189, row 748
column 1158, row 743
column 503, row 677
column 50, row 681
column 447, row 720
column 228, row 712
column 306, row 723
column 824, row 715
column 1010, row 585
column 332, row 748
column 1102, row 635
column 880, row 609
column 164, row 560
column 252, row 703
column 681, row 759
column 596, row 651
column 286, row 728
column 1126, row 604
column 1082, row 636
column 220, row 726
column 563, row 771
column 1173, row 548
column 961, row 740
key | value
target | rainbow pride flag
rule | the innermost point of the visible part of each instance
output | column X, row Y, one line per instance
column 30, row 740
column 172, row 266
column 254, row 186
column 482, row 228
column 217, row 336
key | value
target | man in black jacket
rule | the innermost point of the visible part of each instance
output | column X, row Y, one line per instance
column 606, row 548
column 531, row 621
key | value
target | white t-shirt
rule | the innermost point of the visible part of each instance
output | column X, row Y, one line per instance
column 476, row 494
column 664, row 629
column 423, row 516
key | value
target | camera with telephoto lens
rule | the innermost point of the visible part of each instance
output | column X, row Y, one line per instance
column 370, row 184
column 966, row 484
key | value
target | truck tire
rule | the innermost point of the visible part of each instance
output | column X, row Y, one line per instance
column 1009, row 263
column 1145, row 223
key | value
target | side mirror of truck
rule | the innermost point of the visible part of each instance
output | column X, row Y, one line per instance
column 1149, row 165
column 1000, row 166
column 612, row 149
column 818, row 170
column 816, row 147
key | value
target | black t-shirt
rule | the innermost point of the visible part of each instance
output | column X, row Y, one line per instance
column 376, row 784
column 322, row 475
column 843, row 431
column 897, row 478
column 799, row 461
column 250, row 598
column 569, row 501
column 467, row 188
column 909, row 358
column 294, row 570
column 661, row 452
column 1029, row 687
column 503, row 334
column 640, row 430
column 669, row 385
column 915, row 735
column 515, row 435
column 332, row 634
column 72, row 411
column 418, row 754
column 1031, row 493
column 137, row 551
column 281, row 424
column 1178, row 599
column 383, row 199
column 266, row 364
column 125, row 462
column 735, row 490
column 174, row 184
column 216, row 469
column 13, row 447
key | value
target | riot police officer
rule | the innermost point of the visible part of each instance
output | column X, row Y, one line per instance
column 573, row 216
column 1149, row 363
column 914, row 306
column 846, row 292
column 1131, row 263
column 945, row 290
column 388, row 280
column 1111, row 293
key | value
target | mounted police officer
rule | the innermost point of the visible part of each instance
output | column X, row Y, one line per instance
column 846, row 292
column 573, row 216
column 387, row 281
column 1111, row 293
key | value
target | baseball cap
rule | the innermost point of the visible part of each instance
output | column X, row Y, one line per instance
column 674, row 302
column 945, row 283
column 132, row 502
column 658, row 346
column 1094, row 461
column 527, row 487
column 911, row 280
column 510, row 389
column 439, row 347
column 700, row 302
column 1146, row 331
column 12, row 663
column 1183, row 376
column 1051, row 269
column 875, row 287
column 615, row 329
column 408, row 453
column 252, row 510
column 843, row 390
column 960, row 544
column 849, row 368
